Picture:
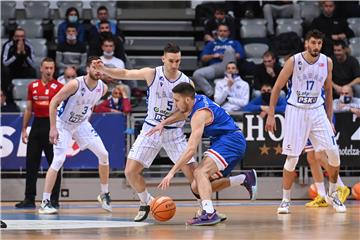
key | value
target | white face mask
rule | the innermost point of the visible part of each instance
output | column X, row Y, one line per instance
column 70, row 37
column 222, row 39
column 108, row 54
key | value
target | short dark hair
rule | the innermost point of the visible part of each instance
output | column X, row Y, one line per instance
column 231, row 62
column 47, row 59
column 101, row 8
column 71, row 25
column 171, row 48
column 269, row 53
column 341, row 43
column 90, row 59
column 108, row 39
column 314, row 34
column 71, row 9
column 185, row 89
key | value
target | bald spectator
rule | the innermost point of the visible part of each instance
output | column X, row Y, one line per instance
column 346, row 102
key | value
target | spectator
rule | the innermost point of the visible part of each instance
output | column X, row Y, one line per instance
column 217, row 54
column 346, row 102
column 212, row 24
column 266, row 72
column 346, row 70
column 40, row 93
column 279, row 9
column 7, row 106
column 261, row 104
column 71, row 52
column 69, row 73
column 333, row 27
column 17, row 61
column 71, row 17
column 103, row 15
column 231, row 92
column 117, row 102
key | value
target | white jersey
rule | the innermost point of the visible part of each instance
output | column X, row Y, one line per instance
column 160, row 98
column 306, row 84
column 78, row 107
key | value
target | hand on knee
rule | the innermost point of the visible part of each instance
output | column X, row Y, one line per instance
column 290, row 163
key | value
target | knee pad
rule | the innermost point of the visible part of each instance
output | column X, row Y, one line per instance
column 57, row 162
column 290, row 163
column 100, row 152
column 333, row 157
column 103, row 157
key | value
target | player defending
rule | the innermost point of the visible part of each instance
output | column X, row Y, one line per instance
column 227, row 147
column 70, row 120
column 305, row 116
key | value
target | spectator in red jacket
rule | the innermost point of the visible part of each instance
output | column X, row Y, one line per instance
column 117, row 102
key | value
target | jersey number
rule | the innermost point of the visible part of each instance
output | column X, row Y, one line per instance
column 309, row 85
column 169, row 105
column 85, row 110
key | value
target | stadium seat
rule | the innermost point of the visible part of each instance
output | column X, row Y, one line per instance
column 37, row 9
column 289, row 25
column 110, row 5
column 358, row 58
column 354, row 24
column 309, row 10
column 255, row 60
column 355, row 49
column 354, row 40
column 33, row 28
column 39, row 45
column 64, row 5
column 56, row 27
column 22, row 104
column 253, row 28
column 8, row 9
column 20, row 87
column 255, row 50
column 3, row 32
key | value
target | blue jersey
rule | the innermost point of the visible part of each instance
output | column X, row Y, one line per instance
column 221, row 123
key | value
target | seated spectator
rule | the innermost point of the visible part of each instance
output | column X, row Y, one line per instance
column 17, row 60
column 103, row 15
column 334, row 28
column 98, row 37
column 117, row 102
column 7, row 106
column 231, row 92
column 217, row 54
column 71, row 52
column 212, row 24
column 69, row 74
column 279, row 9
column 346, row 70
column 261, row 104
column 71, row 17
column 346, row 102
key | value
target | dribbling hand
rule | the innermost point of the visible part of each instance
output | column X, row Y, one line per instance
column 165, row 183
column 53, row 136
column 270, row 124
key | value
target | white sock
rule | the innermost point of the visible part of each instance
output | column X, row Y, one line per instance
column 208, row 206
column 237, row 180
column 339, row 182
column 104, row 188
column 46, row 196
column 145, row 197
column 286, row 194
column 200, row 203
column 320, row 187
column 332, row 187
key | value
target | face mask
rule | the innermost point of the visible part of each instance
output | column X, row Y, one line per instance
column 116, row 100
column 70, row 37
column 73, row 19
column 345, row 99
column 266, row 97
column 222, row 39
column 108, row 54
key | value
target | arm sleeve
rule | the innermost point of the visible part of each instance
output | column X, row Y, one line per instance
column 103, row 107
column 253, row 106
column 126, row 106
column 242, row 97
column 221, row 92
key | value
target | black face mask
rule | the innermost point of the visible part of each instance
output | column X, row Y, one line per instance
column 266, row 97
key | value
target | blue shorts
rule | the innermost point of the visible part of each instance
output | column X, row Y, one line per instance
column 227, row 151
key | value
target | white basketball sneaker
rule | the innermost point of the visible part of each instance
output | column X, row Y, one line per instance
column 284, row 207
column 333, row 199
column 47, row 208
column 105, row 201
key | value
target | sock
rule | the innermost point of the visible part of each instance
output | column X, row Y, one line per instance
column 339, row 182
column 46, row 196
column 320, row 187
column 332, row 187
column 208, row 206
column 286, row 194
column 145, row 197
column 237, row 180
column 104, row 188
column 200, row 203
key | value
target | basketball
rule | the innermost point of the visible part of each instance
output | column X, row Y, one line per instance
column 163, row 208
column 312, row 191
column 355, row 191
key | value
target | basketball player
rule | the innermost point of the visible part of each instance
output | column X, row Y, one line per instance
column 226, row 150
column 70, row 120
column 305, row 116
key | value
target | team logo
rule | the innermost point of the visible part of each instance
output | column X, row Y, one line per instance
column 82, row 91
column 35, row 84
column 299, row 64
column 161, row 79
column 321, row 65
column 53, row 86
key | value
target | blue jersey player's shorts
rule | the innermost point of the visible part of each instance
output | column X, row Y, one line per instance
column 227, row 151
column 308, row 147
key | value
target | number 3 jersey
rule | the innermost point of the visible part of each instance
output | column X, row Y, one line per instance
column 306, row 84
column 78, row 107
column 160, row 97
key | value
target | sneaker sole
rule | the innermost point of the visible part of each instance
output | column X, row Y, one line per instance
column 254, row 188
column 282, row 211
column 47, row 212
column 108, row 209
column 205, row 224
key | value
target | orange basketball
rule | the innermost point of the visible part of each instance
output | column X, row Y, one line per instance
column 312, row 191
column 355, row 191
column 163, row 208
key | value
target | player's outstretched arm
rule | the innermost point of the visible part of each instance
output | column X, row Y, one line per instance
column 173, row 118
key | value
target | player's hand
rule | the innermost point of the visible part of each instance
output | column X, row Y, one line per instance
column 99, row 65
column 158, row 128
column 24, row 136
column 270, row 125
column 53, row 136
column 165, row 183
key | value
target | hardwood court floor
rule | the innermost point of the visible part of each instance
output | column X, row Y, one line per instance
column 246, row 220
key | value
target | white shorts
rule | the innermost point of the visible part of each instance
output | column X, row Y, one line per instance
column 303, row 124
column 145, row 148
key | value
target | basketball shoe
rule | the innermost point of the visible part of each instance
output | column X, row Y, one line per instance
column 319, row 201
column 343, row 193
column 47, row 208
column 142, row 213
column 205, row 219
column 333, row 199
column 222, row 216
column 250, row 183
column 284, row 207
column 105, row 201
